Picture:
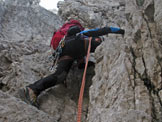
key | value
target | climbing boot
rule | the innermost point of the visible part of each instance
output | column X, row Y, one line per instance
column 28, row 96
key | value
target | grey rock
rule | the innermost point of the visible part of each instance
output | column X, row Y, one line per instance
column 2, row 9
column 127, row 88
column 92, row 14
column 126, row 83
column 14, row 110
column 27, row 23
column 23, row 2
column 25, row 35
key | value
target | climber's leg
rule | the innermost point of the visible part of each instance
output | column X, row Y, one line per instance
column 56, row 78
column 29, row 94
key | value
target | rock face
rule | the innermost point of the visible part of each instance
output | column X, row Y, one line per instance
column 93, row 13
column 24, row 35
column 14, row 110
column 127, row 85
column 26, row 22
column 23, row 2
column 25, row 31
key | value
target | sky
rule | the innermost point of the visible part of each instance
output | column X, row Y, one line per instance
column 49, row 4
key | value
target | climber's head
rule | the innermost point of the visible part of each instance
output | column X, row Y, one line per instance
column 73, row 31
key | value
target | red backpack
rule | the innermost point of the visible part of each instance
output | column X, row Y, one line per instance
column 60, row 33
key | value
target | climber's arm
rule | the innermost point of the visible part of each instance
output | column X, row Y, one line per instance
column 102, row 31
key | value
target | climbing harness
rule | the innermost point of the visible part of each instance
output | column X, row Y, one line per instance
column 80, row 101
column 56, row 54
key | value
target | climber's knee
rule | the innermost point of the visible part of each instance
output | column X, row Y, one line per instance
column 61, row 77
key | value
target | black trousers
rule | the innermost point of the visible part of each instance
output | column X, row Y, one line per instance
column 76, row 49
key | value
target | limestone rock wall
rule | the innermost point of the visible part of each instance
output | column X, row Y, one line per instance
column 24, row 35
column 23, row 2
column 93, row 13
column 21, row 22
column 25, row 32
column 127, row 81
column 127, row 85
column 14, row 110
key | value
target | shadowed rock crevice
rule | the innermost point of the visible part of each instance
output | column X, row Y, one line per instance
column 4, row 87
column 148, row 26
column 152, row 90
column 150, row 11
column 140, row 2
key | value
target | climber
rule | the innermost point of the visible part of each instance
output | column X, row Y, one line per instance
column 75, row 48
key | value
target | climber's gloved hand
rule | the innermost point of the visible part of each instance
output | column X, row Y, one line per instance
column 117, row 30
column 122, row 31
